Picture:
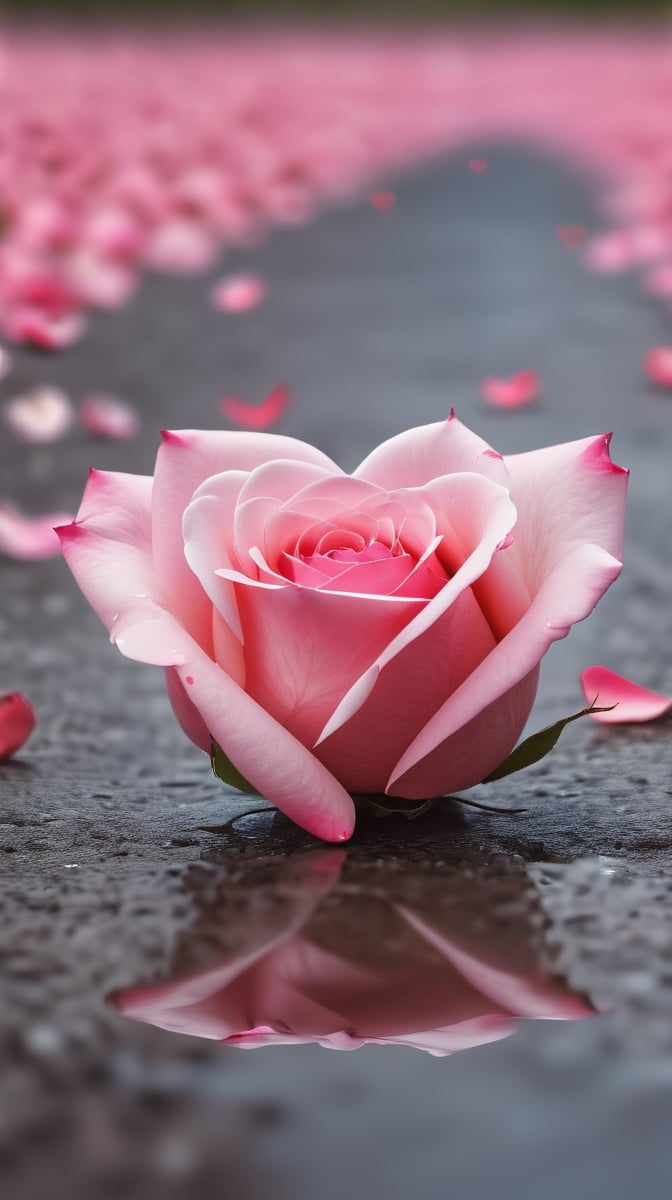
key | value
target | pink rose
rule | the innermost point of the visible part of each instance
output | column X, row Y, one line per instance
column 401, row 957
column 365, row 633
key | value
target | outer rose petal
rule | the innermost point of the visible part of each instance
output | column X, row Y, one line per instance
column 569, row 498
column 414, row 457
column 633, row 703
column 108, row 546
column 186, row 712
column 566, row 496
column 304, row 648
column 185, row 460
column 118, row 580
column 407, row 692
column 569, row 594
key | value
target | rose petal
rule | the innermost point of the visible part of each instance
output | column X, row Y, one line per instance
column 417, row 455
column 571, row 235
column 239, row 293
column 382, row 201
column 99, row 282
column 257, row 416
column 520, row 389
column 106, row 417
column 42, row 415
column 41, row 330
column 658, row 365
column 185, row 461
column 29, row 537
column 610, row 252
column 17, row 721
column 658, row 280
column 107, row 550
column 180, row 246
column 566, row 572
column 484, row 515
column 633, row 703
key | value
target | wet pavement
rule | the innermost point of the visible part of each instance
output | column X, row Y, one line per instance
column 115, row 890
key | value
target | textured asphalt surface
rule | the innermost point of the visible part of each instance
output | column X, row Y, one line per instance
column 377, row 321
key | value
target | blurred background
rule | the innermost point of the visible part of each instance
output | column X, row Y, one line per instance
column 378, row 10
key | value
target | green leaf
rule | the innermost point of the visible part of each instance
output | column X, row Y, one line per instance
column 224, row 769
column 538, row 745
column 391, row 806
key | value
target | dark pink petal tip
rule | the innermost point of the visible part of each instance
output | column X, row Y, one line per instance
column 634, row 704
column 597, row 455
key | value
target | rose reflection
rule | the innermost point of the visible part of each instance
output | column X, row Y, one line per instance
column 317, row 948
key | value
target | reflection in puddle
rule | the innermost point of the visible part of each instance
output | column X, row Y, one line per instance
column 318, row 947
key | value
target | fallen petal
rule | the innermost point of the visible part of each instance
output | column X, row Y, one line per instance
column 105, row 417
column 261, row 416
column 658, row 365
column 383, row 201
column 17, row 721
column 42, row 415
column 571, row 235
column 658, row 280
column 611, row 252
column 30, row 537
column 47, row 333
column 633, row 703
column 520, row 389
column 239, row 293
column 477, row 165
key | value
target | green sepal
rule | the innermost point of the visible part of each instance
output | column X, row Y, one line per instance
column 224, row 769
column 539, row 744
column 391, row 806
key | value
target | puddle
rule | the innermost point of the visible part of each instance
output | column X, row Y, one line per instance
column 322, row 947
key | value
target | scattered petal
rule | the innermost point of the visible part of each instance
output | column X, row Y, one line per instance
column 478, row 165
column 658, row 280
column 239, row 293
column 259, row 417
column 43, row 331
column 383, row 201
column 658, row 365
column 42, row 415
column 571, row 235
column 30, row 538
column 106, row 417
column 17, row 721
column 180, row 246
column 609, row 253
column 633, row 703
column 515, row 392
column 100, row 282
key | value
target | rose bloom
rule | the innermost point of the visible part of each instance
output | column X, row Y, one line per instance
column 402, row 957
column 379, row 632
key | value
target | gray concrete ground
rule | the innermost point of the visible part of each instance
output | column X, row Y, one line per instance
column 377, row 321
